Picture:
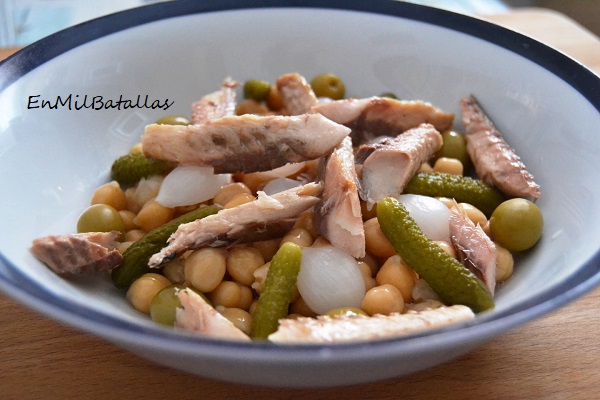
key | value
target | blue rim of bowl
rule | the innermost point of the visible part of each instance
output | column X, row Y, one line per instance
column 21, row 288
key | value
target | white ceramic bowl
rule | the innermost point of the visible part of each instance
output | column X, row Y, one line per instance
column 546, row 104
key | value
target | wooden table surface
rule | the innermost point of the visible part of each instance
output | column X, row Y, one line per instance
column 555, row 357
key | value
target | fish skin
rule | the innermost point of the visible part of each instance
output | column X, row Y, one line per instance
column 495, row 162
column 217, row 104
column 78, row 253
column 387, row 166
column 355, row 328
column 338, row 215
column 197, row 316
column 233, row 222
column 297, row 95
column 245, row 143
column 381, row 116
column 474, row 248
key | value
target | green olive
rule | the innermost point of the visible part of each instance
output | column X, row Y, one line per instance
column 516, row 224
column 454, row 146
column 173, row 120
column 100, row 218
column 256, row 90
column 328, row 85
column 164, row 304
column 389, row 95
column 345, row 312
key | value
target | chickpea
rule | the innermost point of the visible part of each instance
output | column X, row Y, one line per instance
column 242, row 262
column 267, row 248
column 274, row 100
column 447, row 247
column 240, row 318
column 205, row 268
column 425, row 167
column 366, row 213
column 376, row 242
column 110, row 194
column 306, row 221
column 397, row 273
column 371, row 262
column 367, row 276
column 448, row 202
column 504, row 264
column 142, row 290
column 239, row 199
column 226, row 294
column 134, row 235
column 229, row 191
column 448, row 165
column 300, row 307
column 474, row 214
column 128, row 217
column 249, row 106
column 320, row 241
column 136, row 148
column 384, row 299
column 299, row 236
column 175, row 271
column 152, row 215
column 246, row 297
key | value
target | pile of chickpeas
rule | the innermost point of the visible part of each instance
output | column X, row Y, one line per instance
column 231, row 278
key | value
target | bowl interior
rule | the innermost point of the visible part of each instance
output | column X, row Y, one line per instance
column 52, row 159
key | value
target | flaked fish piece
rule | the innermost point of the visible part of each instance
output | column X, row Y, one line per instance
column 387, row 166
column 338, row 215
column 197, row 316
column 377, row 116
column 324, row 329
column 217, row 104
column 495, row 162
column 231, row 222
column 474, row 248
column 245, row 143
column 297, row 95
column 78, row 253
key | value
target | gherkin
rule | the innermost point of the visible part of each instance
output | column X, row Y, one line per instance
column 276, row 294
column 129, row 169
column 463, row 189
column 452, row 281
column 136, row 257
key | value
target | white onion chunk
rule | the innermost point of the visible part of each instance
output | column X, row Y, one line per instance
column 329, row 278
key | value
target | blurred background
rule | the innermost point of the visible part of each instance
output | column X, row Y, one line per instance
column 24, row 21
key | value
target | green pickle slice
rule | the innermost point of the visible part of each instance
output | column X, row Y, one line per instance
column 452, row 281
column 276, row 294
column 135, row 258
column 463, row 189
column 130, row 168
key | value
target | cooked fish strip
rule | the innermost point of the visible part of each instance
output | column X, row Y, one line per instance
column 325, row 329
column 197, row 316
column 475, row 249
column 387, row 166
column 338, row 215
column 495, row 162
column 377, row 116
column 230, row 222
column 77, row 253
column 246, row 143
column 217, row 104
column 296, row 94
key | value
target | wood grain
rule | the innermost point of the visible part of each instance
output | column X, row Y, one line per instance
column 555, row 357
